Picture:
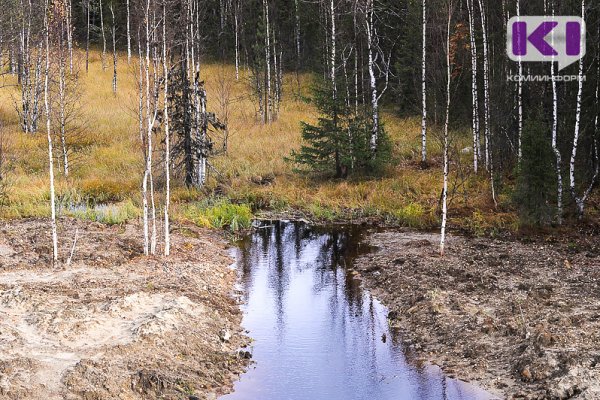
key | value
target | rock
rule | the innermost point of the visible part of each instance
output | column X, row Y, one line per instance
column 225, row 335
column 526, row 374
column 245, row 354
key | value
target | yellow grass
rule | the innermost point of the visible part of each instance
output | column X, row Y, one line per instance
column 110, row 170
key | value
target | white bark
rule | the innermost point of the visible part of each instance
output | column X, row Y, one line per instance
column 103, row 37
column 372, row 79
column 151, row 111
column 237, row 45
column 519, row 100
column 559, row 180
column 267, row 61
column 49, row 134
column 168, row 135
column 114, row 45
column 70, row 33
column 578, row 201
column 446, row 127
column 128, row 34
column 424, row 87
column 332, row 49
column 474, row 88
column 297, row 30
column 486, row 85
column 87, row 41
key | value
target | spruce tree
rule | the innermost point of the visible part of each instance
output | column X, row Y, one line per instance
column 535, row 190
column 339, row 144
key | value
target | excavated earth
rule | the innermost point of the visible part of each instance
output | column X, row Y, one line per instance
column 115, row 324
column 522, row 319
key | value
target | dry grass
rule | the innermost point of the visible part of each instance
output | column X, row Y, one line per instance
column 110, row 167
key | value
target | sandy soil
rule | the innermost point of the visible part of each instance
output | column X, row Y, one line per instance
column 521, row 319
column 115, row 324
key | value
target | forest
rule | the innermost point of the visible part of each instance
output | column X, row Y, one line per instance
column 152, row 128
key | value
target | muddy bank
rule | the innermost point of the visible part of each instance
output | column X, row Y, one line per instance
column 115, row 324
column 521, row 319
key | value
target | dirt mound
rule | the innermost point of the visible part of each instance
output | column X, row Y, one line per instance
column 115, row 324
column 523, row 319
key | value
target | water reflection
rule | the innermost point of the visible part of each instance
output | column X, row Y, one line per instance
column 317, row 334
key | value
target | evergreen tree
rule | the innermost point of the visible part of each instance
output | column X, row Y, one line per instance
column 535, row 190
column 339, row 144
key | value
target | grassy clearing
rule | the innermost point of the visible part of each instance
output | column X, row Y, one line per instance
column 106, row 174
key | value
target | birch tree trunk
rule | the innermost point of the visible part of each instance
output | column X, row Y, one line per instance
column 297, row 33
column 237, row 45
column 87, row 40
column 372, row 79
column 49, row 136
column 332, row 51
column 151, row 111
column 267, row 62
column 424, row 87
column 168, row 134
column 486, row 84
column 128, row 34
column 579, row 202
column 446, row 127
column 103, row 37
column 474, row 88
column 519, row 99
column 559, row 180
column 70, row 33
column 114, row 48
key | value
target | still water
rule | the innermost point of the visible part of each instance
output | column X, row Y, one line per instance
column 317, row 334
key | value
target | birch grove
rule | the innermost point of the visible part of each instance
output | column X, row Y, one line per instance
column 378, row 75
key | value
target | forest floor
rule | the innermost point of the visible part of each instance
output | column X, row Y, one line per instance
column 521, row 318
column 115, row 324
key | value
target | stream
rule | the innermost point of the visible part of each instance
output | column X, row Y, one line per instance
column 318, row 335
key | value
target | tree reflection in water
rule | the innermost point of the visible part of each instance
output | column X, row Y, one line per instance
column 318, row 334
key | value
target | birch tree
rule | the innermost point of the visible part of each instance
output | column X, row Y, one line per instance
column 424, row 87
column 486, row 84
column 372, row 79
column 474, row 88
column 579, row 202
column 128, row 34
column 49, row 135
column 519, row 99
column 555, row 149
column 103, row 36
column 167, row 135
column 446, row 127
column 114, row 47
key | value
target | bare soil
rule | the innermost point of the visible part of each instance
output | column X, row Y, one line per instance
column 521, row 319
column 115, row 324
